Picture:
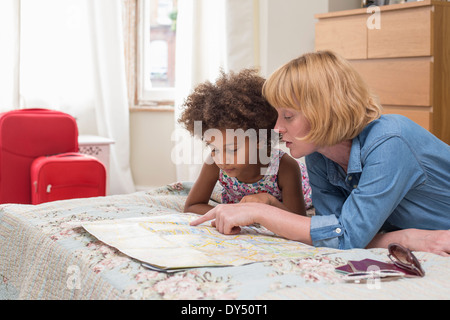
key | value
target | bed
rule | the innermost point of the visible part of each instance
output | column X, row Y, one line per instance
column 46, row 254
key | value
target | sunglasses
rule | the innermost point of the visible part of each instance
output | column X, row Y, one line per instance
column 405, row 264
column 372, row 274
column 404, row 259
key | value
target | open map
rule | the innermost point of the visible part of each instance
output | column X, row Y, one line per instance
column 169, row 242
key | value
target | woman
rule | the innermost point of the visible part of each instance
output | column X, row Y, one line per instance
column 368, row 172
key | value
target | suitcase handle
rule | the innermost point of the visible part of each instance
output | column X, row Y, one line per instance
column 68, row 154
column 34, row 109
column 48, row 189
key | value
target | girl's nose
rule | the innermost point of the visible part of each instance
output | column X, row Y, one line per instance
column 224, row 158
column 229, row 158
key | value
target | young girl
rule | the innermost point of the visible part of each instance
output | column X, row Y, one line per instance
column 235, row 120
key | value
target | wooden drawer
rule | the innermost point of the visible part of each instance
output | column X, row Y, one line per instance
column 407, row 60
column 346, row 36
column 404, row 82
column 403, row 33
column 420, row 115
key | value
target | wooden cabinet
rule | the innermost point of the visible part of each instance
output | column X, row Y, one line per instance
column 405, row 32
column 344, row 35
column 406, row 61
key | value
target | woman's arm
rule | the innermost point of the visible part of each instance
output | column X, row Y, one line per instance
column 376, row 188
column 229, row 218
column 198, row 198
column 435, row 241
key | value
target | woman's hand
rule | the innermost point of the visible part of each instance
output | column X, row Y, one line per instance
column 227, row 218
column 434, row 241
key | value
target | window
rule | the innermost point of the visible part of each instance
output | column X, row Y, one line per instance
column 152, row 25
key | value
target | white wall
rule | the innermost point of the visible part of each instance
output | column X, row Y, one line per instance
column 286, row 31
column 337, row 5
column 150, row 161
column 287, row 28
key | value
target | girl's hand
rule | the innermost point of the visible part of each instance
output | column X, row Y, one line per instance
column 259, row 198
column 229, row 217
column 264, row 198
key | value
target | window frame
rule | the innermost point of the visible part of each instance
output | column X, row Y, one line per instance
column 135, row 43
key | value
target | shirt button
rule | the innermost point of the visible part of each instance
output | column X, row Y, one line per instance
column 338, row 230
column 355, row 186
column 350, row 178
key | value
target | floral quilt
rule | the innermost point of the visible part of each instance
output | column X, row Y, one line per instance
column 46, row 254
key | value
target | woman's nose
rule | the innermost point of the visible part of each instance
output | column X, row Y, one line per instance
column 279, row 128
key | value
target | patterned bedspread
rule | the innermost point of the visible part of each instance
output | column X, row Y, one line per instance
column 46, row 254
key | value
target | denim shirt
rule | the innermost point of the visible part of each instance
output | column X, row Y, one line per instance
column 398, row 177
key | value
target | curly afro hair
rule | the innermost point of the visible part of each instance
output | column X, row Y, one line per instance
column 234, row 101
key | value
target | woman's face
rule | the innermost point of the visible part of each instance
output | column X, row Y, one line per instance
column 291, row 124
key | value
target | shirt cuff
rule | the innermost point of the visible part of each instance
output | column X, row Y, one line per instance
column 325, row 231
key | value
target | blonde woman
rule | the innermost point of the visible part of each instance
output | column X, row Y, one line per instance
column 368, row 172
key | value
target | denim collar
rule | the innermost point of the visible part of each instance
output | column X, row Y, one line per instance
column 337, row 175
column 354, row 163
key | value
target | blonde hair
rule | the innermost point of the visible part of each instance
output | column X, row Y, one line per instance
column 329, row 92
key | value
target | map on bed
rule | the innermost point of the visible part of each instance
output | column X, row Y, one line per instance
column 168, row 242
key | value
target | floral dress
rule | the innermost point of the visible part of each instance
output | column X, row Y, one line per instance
column 234, row 190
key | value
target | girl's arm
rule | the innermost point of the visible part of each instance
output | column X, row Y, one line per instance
column 198, row 198
column 290, row 183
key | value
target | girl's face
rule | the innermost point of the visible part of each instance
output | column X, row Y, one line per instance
column 233, row 152
column 291, row 124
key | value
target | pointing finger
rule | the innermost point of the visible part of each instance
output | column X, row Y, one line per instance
column 210, row 215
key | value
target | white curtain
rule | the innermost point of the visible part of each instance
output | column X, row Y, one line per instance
column 211, row 35
column 111, row 104
column 9, row 54
column 67, row 55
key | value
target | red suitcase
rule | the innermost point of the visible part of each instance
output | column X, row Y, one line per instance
column 25, row 135
column 67, row 176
